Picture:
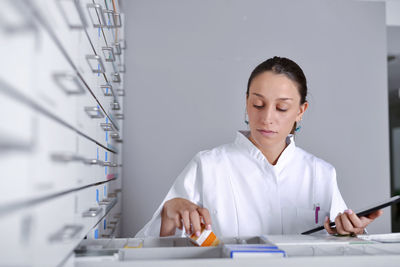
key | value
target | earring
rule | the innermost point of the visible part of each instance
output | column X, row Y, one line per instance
column 298, row 127
column 246, row 118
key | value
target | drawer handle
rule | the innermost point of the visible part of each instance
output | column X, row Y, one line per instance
column 95, row 63
column 68, row 232
column 116, row 77
column 92, row 212
column 94, row 112
column 110, row 164
column 117, row 20
column 107, row 89
column 93, row 162
column 107, row 127
column 64, row 5
column 69, row 83
column 104, row 202
column 119, row 116
column 96, row 15
column 114, row 18
column 115, row 105
column 118, row 50
column 109, row 203
column 115, row 136
column 108, row 53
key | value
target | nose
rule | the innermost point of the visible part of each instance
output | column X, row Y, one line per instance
column 267, row 116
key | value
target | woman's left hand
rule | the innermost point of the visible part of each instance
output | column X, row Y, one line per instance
column 349, row 223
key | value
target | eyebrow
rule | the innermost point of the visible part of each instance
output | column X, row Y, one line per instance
column 281, row 98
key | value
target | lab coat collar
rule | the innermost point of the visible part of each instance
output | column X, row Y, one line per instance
column 242, row 140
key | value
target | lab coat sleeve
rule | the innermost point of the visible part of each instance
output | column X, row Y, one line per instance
column 188, row 186
column 337, row 202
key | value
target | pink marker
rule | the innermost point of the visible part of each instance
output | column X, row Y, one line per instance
column 317, row 208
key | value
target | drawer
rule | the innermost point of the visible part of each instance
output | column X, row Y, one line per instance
column 90, row 162
column 101, row 164
column 110, row 225
column 88, row 203
column 90, row 117
column 54, row 167
column 56, row 86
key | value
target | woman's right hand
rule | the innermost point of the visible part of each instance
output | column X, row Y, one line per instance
column 180, row 212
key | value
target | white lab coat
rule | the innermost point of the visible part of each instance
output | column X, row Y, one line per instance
column 247, row 196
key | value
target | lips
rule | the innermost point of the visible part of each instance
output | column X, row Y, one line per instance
column 266, row 133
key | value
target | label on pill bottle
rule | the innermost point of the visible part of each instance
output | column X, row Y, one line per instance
column 206, row 239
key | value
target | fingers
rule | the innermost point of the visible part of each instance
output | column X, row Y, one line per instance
column 191, row 221
column 328, row 227
column 354, row 219
column 167, row 227
column 195, row 220
column 349, row 223
column 375, row 214
column 346, row 223
column 339, row 226
column 371, row 217
column 182, row 213
column 178, row 222
column 357, row 225
column 186, row 221
column 206, row 217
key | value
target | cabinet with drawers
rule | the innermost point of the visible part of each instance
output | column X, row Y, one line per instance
column 61, row 90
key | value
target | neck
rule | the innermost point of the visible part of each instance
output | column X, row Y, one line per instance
column 272, row 152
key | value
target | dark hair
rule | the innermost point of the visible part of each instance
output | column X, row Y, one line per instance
column 282, row 65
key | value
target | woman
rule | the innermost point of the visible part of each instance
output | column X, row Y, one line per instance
column 261, row 183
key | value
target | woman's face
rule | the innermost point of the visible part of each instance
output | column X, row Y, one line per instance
column 273, row 106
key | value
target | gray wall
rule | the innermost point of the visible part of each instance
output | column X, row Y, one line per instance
column 189, row 61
